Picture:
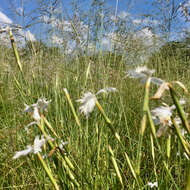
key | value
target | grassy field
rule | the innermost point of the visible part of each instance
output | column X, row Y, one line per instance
column 115, row 147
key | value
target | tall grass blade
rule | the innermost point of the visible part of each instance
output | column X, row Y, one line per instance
column 15, row 50
column 115, row 165
column 185, row 144
column 72, row 107
column 179, row 109
column 48, row 171
column 143, row 125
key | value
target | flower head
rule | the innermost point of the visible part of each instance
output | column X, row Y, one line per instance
column 42, row 104
column 142, row 72
column 106, row 90
column 38, row 143
column 23, row 152
column 162, row 115
column 36, row 108
column 88, row 102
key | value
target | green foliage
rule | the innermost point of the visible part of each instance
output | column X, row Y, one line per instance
column 171, row 58
column 109, row 150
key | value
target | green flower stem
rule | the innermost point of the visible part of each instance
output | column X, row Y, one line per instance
column 143, row 125
column 48, row 171
column 72, row 107
column 49, row 125
column 131, row 167
column 64, row 159
column 15, row 50
column 182, row 140
column 159, row 148
column 179, row 109
column 108, row 121
column 115, row 165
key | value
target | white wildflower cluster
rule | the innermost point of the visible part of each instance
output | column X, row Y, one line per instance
column 143, row 73
column 35, row 110
column 35, row 148
column 162, row 116
column 88, row 100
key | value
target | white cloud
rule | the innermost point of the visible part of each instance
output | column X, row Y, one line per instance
column 145, row 21
column 4, row 19
column 19, row 34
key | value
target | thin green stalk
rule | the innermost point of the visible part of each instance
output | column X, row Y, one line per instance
column 48, row 171
column 65, row 160
column 108, row 121
column 153, row 155
column 168, row 149
column 179, row 109
column 88, row 72
column 182, row 140
column 72, row 107
column 159, row 148
column 115, row 165
column 49, row 125
column 143, row 125
column 188, row 179
column 15, row 50
column 131, row 168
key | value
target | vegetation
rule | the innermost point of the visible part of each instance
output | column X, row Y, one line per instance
column 95, row 119
column 98, row 158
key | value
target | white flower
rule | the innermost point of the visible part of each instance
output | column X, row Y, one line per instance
column 142, row 72
column 42, row 103
column 38, row 143
column 106, row 90
column 88, row 102
column 28, row 108
column 36, row 114
column 135, row 74
column 23, row 152
column 152, row 185
column 161, row 115
column 36, row 108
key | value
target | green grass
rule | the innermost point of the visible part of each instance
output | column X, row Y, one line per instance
column 99, row 159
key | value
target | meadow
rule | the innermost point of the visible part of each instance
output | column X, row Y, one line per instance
column 93, row 124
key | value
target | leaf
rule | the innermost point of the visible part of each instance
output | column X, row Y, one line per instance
column 160, row 91
column 181, row 85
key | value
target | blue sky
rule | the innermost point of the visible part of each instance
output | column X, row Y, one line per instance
column 136, row 8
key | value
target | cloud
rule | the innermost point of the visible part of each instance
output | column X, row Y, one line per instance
column 19, row 34
column 145, row 21
column 4, row 19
